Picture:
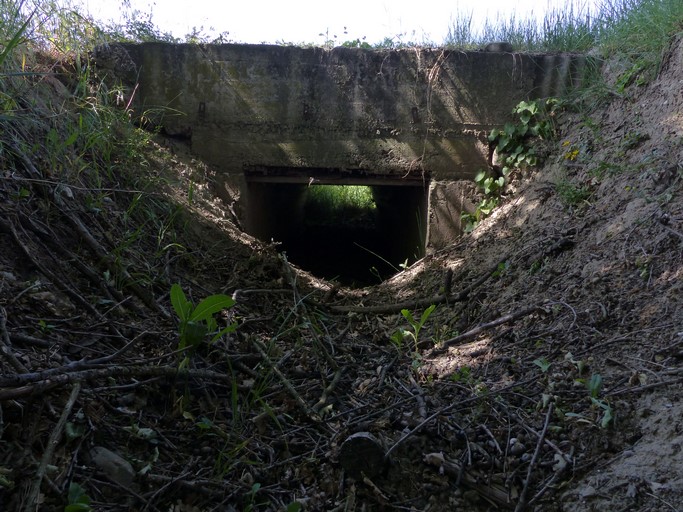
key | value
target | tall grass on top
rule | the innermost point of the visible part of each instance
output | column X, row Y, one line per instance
column 571, row 29
column 638, row 27
column 566, row 29
column 635, row 34
column 628, row 27
column 13, row 27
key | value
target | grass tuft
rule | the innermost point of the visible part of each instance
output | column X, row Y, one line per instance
column 339, row 203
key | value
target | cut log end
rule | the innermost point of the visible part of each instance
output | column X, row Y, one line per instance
column 362, row 455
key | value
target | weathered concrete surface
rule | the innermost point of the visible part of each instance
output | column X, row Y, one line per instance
column 289, row 114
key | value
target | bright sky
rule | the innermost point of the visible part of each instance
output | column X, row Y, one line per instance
column 302, row 21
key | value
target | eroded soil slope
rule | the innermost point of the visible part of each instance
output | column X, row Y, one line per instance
column 546, row 378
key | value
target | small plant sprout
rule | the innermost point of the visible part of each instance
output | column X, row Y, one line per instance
column 580, row 365
column 78, row 500
column 196, row 323
column 398, row 337
column 594, row 385
column 462, row 374
column 543, row 364
column 607, row 412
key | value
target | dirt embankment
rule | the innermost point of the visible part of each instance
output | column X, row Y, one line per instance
column 547, row 377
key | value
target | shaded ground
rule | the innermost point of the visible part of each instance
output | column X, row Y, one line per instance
column 548, row 376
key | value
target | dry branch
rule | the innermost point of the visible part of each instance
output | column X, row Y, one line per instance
column 521, row 504
column 495, row 493
column 285, row 382
column 6, row 346
column 473, row 333
column 31, row 501
column 16, row 386
column 91, row 242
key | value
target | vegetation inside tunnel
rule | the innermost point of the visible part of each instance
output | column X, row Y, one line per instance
column 354, row 234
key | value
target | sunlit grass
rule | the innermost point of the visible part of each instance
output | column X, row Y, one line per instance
column 339, row 203
column 638, row 27
column 641, row 27
column 568, row 29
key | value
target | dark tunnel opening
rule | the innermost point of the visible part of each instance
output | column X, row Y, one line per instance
column 355, row 234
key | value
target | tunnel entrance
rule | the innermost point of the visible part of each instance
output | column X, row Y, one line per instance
column 357, row 232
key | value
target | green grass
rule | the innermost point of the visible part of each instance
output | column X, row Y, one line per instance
column 632, row 27
column 339, row 203
column 639, row 30
column 567, row 29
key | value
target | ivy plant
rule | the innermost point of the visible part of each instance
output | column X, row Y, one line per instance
column 534, row 119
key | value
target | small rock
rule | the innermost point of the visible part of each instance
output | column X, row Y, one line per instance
column 517, row 448
column 587, row 492
column 115, row 467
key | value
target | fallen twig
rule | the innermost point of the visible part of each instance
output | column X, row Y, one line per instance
column 31, row 501
column 670, row 230
column 646, row 387
column 15, row 386
column 299, row 304
column 56, row 281
column 473, row 333
column 6, row 346
column 521, row 503
column 495, row 493
column 285, row 382
column 451, row 406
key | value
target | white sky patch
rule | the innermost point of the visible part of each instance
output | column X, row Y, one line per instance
column 302, row 21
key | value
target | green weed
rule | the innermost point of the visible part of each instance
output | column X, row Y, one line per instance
column 198, row 322
column 77, row 499
column 570, row 194
column 416, row 325
column 543, row 364
column 339, row 203
column 462, row 375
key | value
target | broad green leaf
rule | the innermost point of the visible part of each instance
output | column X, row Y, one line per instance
column 210, row 305
column 230, row 328
column 72, row 138
column 295, row 506
column 78, row 507
column 194, row 333
column 595, row 384
column 426, row 314
column 542, row 363
column 180, row 303
column 408, row 316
